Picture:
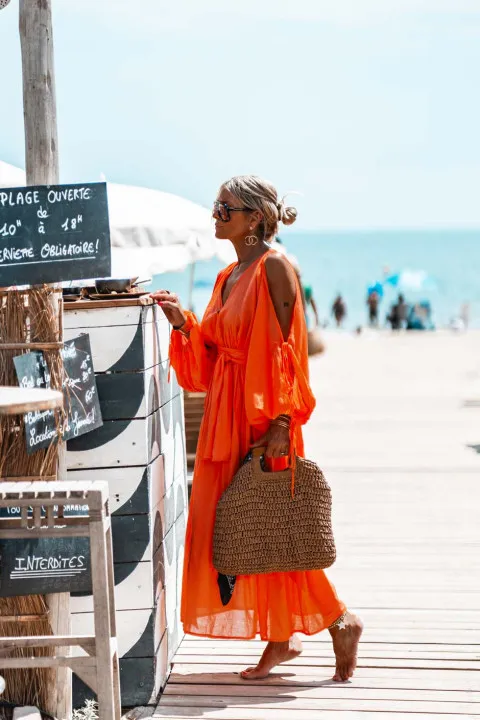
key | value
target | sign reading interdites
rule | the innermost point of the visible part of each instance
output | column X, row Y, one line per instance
column 44, row 565
column 52, row 233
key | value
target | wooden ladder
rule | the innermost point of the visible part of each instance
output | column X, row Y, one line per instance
column 99, row 668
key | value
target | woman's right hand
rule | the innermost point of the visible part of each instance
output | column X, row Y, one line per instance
column 171, row 306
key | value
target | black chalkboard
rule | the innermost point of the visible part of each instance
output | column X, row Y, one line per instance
column 51, row 233
column 44, row 565
column 81, row 402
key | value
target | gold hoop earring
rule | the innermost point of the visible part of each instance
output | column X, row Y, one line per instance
column 251, row 240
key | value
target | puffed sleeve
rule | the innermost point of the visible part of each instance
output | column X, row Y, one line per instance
column 190, row 357
column 276, row 380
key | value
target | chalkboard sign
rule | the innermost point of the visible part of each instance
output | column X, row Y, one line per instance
column 81, row 402
column 44, row 565
column 51, row 233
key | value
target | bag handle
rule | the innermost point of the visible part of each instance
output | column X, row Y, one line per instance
column 257, row 453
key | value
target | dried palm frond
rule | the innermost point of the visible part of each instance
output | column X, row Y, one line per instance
column 27, row 316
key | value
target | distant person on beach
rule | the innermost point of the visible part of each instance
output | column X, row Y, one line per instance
column 373, row 302
column 465, row 314
column 339, row 310
column 310, row 302
column 249, row 353
column 398, row 314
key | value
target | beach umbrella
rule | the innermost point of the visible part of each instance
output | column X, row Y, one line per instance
column 375, row 288
column 11, row 176
column 153, row 232
column 413, row 280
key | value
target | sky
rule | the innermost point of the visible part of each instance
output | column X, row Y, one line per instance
column 369, row 109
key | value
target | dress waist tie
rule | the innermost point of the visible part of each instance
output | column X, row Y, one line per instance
column 221, row 398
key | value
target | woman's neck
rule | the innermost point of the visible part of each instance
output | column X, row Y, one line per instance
column 247, row 254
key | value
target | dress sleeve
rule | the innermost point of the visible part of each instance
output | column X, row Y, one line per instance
column 276, row 380
column 190, row 357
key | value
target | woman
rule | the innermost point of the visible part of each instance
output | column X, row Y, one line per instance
column 250, row 355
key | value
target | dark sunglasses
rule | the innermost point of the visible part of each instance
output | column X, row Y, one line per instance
column 222, row 211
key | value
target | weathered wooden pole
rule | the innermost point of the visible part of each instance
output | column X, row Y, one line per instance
column 41, row 162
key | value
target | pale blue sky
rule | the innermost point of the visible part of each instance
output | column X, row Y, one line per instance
column 370, row 108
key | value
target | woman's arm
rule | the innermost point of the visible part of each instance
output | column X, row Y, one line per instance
column 283, row 290
column 191, row 359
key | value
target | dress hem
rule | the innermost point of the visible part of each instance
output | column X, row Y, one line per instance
column 327, row 624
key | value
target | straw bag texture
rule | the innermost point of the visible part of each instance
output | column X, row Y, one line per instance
column 261, row 528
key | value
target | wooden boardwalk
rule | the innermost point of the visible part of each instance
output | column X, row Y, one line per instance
column 398, row 436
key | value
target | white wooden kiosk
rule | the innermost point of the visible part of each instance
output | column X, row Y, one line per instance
column 140, row 452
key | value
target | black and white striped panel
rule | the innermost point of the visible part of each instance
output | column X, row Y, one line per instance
column 140, row 452
column 123, row 339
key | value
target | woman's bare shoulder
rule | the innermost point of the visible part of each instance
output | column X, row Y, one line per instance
column 279, row 271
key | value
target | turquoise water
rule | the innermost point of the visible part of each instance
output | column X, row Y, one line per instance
column 348, row 262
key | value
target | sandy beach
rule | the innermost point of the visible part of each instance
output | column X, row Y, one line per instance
column 395, row 430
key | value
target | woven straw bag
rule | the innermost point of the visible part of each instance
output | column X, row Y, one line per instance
column 261, row 528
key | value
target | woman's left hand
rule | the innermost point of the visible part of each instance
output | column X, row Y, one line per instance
column 276, row 441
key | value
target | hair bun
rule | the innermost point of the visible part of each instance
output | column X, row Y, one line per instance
column 286, row 214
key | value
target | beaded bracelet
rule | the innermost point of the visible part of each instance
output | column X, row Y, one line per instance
column 340, row 623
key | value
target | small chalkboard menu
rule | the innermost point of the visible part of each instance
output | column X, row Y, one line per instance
column 52, row 233
column 44, row 565
column 81, row 402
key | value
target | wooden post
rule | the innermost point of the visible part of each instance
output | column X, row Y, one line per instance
column 41, row 162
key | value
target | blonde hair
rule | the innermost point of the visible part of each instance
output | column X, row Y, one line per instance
column 255, row 193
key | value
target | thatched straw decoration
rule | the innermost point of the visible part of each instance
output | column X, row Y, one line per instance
column 27, row 316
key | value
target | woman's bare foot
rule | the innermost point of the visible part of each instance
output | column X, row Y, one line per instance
column 345, row 645
column 274, row 654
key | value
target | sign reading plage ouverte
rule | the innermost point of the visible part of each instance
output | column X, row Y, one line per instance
column 53, row 233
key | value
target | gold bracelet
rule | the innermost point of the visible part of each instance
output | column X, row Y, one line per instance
column 280, row 424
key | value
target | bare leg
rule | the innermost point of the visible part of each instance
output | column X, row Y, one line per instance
column 345, row 638
column 274, row 654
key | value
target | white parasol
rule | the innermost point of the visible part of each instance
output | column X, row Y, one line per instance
column 154, row 232
column 11, row 176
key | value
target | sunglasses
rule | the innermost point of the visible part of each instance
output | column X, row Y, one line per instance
column 221, row 211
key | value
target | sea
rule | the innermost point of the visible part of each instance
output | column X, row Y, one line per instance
column 347, row 263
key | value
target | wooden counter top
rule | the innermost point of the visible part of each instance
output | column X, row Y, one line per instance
column 114, row 302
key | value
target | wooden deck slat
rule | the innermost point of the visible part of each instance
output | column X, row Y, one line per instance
column 429, row 663
column 232, row 713
column 377, row 678
column 333, row 691
column 258, row 701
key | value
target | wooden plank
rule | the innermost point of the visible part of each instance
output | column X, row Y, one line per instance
column 321, row 692
column 280, row 713
column 428, row 663
column 47, row 641
column 319, row 704
column 284, row 674
column 365, row 678
column 123, row 301
column 313, row 647
column 364, row 653
column 17, row 401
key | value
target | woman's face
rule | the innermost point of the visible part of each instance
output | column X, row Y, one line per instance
column 242, row 221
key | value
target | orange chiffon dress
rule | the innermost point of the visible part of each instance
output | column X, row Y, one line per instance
column 237, row 354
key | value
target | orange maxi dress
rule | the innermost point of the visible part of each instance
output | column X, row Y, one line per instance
column 237, row 354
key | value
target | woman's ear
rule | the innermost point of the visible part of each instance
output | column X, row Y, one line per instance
column 256, row 218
